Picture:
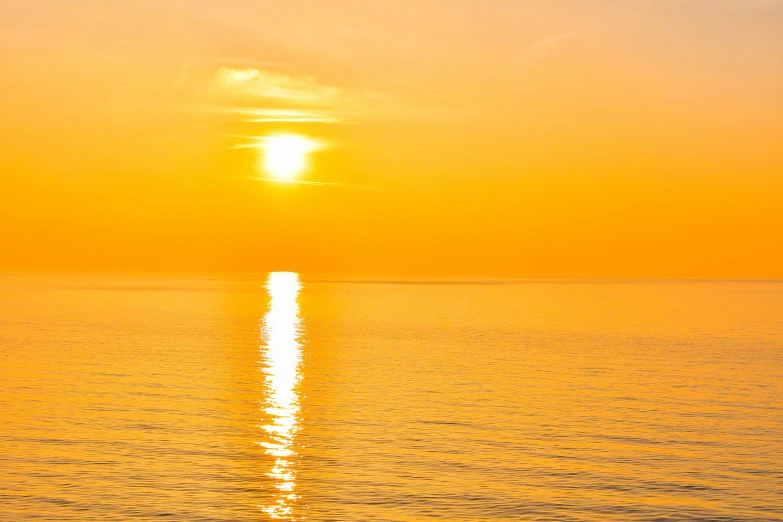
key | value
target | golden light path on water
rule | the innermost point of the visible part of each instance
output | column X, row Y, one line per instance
column 281, row 358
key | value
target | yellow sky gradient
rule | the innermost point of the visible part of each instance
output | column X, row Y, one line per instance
column 462, row 137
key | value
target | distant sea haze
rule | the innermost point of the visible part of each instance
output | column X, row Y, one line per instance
column 283, row 397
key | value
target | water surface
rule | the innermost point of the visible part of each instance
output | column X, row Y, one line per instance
column 284, row 397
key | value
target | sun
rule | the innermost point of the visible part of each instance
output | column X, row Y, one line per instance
column 285, row 155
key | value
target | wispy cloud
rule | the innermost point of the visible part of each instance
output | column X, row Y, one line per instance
column 257, row 83
column 264, row 96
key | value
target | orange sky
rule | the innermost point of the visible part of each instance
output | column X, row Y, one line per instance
column 466, row 137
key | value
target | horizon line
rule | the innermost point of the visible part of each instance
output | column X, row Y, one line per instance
column 325, row 277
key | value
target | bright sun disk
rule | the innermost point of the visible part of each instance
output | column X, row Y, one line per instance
column 285, row 155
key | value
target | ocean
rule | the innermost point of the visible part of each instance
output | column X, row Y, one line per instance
column 293, row 397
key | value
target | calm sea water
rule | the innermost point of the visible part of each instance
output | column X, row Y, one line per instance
column 279, row 397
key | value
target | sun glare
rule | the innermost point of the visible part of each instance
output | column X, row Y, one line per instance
column 285, row 155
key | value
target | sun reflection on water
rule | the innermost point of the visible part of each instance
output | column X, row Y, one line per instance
column 281, row 358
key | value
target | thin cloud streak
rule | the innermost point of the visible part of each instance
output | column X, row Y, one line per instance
column 276, row 115
column 391, row 111
column 321, row 184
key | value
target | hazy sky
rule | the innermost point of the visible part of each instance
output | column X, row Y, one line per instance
column 477, row 137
